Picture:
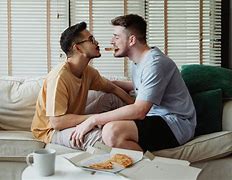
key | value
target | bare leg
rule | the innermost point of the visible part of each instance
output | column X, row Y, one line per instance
column 97, row 102
column 63, row 138
column 121, row 134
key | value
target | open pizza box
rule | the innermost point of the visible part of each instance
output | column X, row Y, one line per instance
column 143, row 165
column 102, row 153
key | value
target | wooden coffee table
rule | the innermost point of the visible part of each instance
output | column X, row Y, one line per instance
column 66, row 170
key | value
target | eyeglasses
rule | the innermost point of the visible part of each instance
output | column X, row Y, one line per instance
column 90, row 39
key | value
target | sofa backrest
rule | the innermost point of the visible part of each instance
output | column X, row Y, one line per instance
column 17, row 102
column 18, row 98
column 210, row 87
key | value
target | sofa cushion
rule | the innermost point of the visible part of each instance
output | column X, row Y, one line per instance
column 16, row 145
column 200, row 78
column 227, row 116
column 208, row 106
column 216, row 169
column 18, row 98
column 61, row 149
column 205, row 147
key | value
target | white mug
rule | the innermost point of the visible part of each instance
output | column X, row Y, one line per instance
column 43, row 161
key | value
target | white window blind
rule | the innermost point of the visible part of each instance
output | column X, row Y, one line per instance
column 58, row 22
column 28, row 37
column 188, row 31
column 3, row 39
column 212, row 32
column 98, row 15
column 31, row 31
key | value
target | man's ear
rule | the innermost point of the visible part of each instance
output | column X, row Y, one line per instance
column 76, row 47
column 132, row 40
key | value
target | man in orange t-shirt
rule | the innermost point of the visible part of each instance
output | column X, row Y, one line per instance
column 61, row 103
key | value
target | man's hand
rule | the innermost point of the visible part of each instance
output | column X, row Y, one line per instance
column 81, row 130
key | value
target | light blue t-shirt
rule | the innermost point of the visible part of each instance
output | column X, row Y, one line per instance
column 157, row 79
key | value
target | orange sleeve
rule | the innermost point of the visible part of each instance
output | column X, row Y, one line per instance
column 99, row 83
column 57, row 97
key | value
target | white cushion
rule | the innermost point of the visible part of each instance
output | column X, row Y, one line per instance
column 61, row 149
column 205, row 147
column 17, row 144
column 227, row 116
column 17, row 102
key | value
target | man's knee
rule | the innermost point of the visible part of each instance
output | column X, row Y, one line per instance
column 111, row 135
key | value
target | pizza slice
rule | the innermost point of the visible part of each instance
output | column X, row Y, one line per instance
column 102, row 165
column 122, row 159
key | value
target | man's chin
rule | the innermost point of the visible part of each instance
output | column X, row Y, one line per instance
column 97, row 56
column 118, row 55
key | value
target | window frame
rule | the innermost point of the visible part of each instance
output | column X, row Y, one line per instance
column 226, row 60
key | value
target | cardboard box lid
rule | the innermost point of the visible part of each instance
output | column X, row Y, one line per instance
column 102, row 153
column 145, row 166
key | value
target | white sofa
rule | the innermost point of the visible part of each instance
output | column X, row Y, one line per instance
column 211, row 152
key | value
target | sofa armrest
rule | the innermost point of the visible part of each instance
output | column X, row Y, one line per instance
column 18, row 97
column 227, row 116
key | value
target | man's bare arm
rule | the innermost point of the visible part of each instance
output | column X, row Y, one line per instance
column 125, row 85
column 66, row 121
column 136, row 111
column 118, row 91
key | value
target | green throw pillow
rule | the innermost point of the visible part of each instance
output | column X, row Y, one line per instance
column 200, row 78
column 208, row 106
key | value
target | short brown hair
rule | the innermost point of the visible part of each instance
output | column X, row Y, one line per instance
column 134, row 23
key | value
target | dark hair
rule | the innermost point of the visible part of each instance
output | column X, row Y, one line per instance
column 134, row 23
column 70, row 36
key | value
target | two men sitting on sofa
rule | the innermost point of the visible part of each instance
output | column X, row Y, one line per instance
column 162, row 116
column 62, row 99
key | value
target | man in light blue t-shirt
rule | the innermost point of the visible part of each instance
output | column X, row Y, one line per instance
column 163, row 115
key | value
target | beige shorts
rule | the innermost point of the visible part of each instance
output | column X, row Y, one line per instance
column 63, row 138
column 102, row 103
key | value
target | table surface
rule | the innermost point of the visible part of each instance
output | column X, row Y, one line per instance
column 66, row 170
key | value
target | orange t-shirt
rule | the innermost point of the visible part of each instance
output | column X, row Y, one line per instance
column 63, row 93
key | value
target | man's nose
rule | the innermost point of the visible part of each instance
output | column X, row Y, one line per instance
column 112, row 41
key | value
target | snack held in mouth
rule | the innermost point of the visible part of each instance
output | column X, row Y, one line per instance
column 109, row 49
column 120, row 159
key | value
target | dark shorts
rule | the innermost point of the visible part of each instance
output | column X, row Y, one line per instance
column 155, row 134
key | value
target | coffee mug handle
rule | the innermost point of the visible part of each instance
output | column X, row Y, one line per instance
column 28, row 159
